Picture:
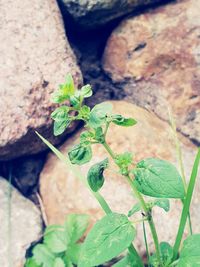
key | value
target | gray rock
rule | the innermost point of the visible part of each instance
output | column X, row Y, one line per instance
column 93, row 13
column 21, row 224
column 35, row 57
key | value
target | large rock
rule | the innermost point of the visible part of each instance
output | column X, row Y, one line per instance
column 93, row 13
column 35, row 57
column 155, row 56
column 21, row 224
column 63, row 193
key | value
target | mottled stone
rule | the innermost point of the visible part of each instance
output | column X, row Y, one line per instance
column 35, row 57
column 156, row 58
column 94, row 13
column 63, row 193
column 21, row 224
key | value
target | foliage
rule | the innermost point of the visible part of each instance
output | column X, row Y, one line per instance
column 114, row 233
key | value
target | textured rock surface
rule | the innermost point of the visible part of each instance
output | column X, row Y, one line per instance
column 35, row 57
column 93, row 13
column 24, row 226
column 156, row 58
column 62, row 193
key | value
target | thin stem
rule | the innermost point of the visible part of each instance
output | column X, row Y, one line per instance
column 145, row 241
column 180, row 160
column 186, row 206
column 143, row 205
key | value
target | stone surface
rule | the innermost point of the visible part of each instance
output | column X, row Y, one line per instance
column 63, row 193
column 20, row 229
column 156, row 58
column 93, row 13
column 35, row 57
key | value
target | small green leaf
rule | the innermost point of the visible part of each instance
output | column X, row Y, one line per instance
column 158, row 178
column 166, row 255
column 73, row 253
column 61, row 119
column 59, row 263
column 190, row 253
column 43, row 256
column 121, row 121
column 65, row 90
column 123, row 161
column 162, row 203
column 95, row 175
column 86, row 91
column 86, row 137
column 76, row 225
column 55, row 238
column 99, row 135
column 31, row 263
column 98, row 114
column 80, row 154
column 84, row 112
column 134, row 209
column 60, row 126
column 61, row 113
column 108, row 238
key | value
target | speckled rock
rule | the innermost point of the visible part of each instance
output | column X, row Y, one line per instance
column 156, row 58
column 94, row 13
column 63, row 193
column 35, row 57
column 19, row 229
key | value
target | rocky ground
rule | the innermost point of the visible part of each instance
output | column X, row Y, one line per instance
column 144, row 56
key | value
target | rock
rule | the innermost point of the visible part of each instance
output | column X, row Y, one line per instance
column 63, row 193
column 25, row 225
column 155, row 56
column 35, row 57
column 94, row 13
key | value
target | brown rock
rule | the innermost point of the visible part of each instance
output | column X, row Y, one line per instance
column 63, row 193
column 156, row 56
column 35, row 57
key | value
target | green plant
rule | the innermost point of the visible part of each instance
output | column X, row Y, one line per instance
column 114, row 233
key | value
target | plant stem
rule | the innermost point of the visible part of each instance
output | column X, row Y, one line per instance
column 145, row 241
column 143, row 205
column 98, row 196
column 180, row 160
column 186, row 206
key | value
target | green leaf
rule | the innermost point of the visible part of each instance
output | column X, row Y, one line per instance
column 61, row 113
column 76, row 225
column 95, row 175
column 65, row 90
column 134, row 209
column 166, row 252
column 121, row 121
column 166, row 255
column 190, row 253
column 55, row 238
column 61, row 119
column 80, row 154
column 73, row 252
column 59, row 263
column 43, row 256
column 86, row 137
column 60, row 126
column 123, row 161
column 98, row 114
column 86, row 91
column 31, row 263
column 158, row 178
column 99, row 135
column 84, row 112
column 162, row 203
column 108, row 238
